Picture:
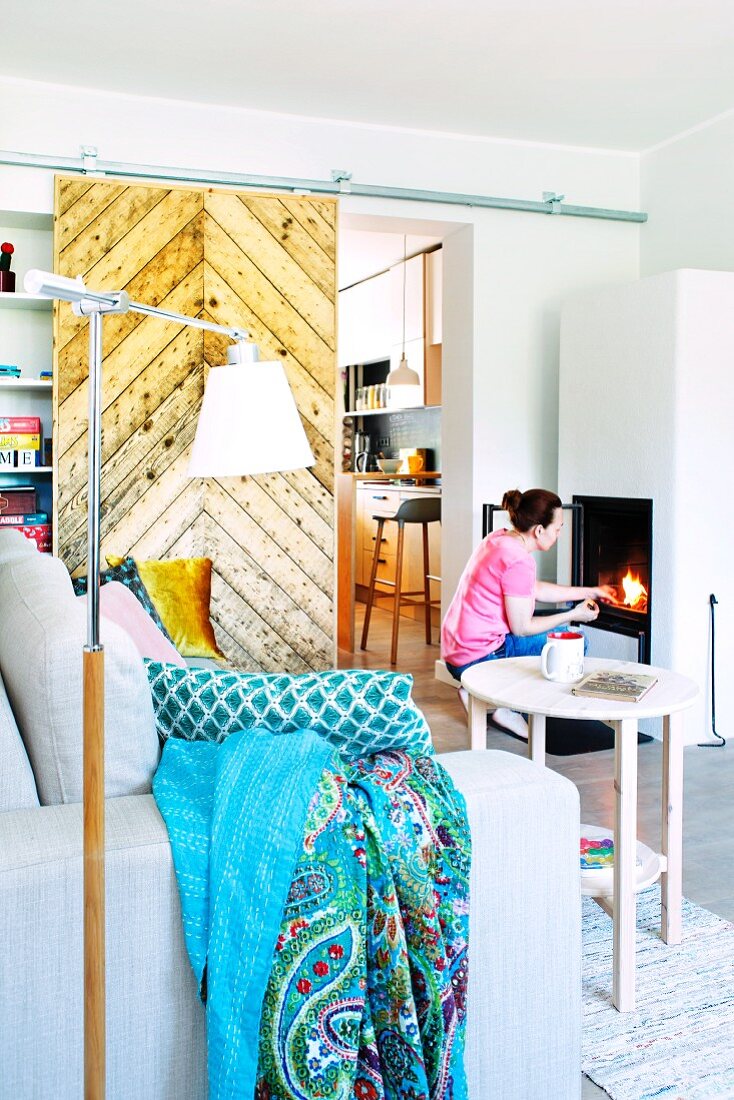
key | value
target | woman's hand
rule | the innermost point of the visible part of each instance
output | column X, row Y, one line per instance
column 605, row 592
column 585, row 612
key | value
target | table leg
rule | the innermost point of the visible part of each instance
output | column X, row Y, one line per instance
column 625, row 843
column 536, row 738
column 671, row 881
column 477, row 723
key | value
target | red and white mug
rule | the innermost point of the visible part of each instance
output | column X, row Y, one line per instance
column 562, row 658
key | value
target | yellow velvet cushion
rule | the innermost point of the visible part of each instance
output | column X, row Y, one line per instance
column 180, row 590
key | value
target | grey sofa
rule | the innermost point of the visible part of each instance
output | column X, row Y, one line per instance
column 524, row 1012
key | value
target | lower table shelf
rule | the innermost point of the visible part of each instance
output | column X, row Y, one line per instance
column 599, row 882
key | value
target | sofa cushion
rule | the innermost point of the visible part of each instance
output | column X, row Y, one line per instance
column 118, row 605
column 42, row 635
column 359, row 711
column 181, row 589
column 125, row 571
column 17, row 785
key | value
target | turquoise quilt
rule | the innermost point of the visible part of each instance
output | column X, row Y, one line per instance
column 325, row 909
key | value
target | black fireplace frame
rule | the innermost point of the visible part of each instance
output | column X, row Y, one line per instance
column 614, row 620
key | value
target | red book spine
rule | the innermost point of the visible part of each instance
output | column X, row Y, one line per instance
column 40, row 534
column 21, row 425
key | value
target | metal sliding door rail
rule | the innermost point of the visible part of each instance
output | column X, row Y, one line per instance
column 340, row 184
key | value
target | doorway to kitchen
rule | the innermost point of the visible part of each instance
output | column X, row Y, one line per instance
column 390, row 444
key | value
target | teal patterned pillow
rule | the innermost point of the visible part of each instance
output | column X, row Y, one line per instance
column 359, row 711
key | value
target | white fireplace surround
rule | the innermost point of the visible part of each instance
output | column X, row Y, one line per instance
column 647, row 410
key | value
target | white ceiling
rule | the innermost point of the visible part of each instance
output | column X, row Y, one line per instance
column 622, row 75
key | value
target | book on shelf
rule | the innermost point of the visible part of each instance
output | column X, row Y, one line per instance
column 28, row 518
column 40, row 533
column 20, row 441
column 20, row 460
column 607, row 683
column 18, row 500
column 9, row 370
column 30, row 425
column 597, row 854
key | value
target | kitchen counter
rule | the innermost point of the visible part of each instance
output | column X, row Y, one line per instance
column 376, row 475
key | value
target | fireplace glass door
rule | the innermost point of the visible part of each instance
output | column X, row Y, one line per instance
column 613, row 546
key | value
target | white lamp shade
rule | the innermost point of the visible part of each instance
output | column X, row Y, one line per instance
column 404, row 389
column 248, row 424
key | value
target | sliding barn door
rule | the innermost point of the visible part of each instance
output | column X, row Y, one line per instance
column 263, row 262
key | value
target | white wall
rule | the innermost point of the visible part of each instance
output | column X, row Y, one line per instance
column 647, row 393
column 687, row 186
column 500, row 386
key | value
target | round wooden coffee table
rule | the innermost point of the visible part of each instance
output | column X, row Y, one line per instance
column 518, row 683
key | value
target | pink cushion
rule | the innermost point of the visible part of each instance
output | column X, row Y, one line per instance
column 118, row 605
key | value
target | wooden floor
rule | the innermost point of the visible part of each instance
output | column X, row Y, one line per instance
column 708, row 811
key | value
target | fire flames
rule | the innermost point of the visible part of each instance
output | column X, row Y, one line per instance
column 635, row 593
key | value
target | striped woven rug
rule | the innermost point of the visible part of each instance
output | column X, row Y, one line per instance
column 679, row 1043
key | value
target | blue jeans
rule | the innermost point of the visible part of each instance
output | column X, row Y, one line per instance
column 512, row 646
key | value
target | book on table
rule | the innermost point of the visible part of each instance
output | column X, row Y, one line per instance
column 608, row 683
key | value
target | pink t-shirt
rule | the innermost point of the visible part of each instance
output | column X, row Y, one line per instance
column 476, row 621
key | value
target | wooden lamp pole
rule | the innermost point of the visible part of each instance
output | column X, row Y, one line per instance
column 93, row 791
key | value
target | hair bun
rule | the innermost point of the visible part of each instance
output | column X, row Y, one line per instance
column 511, row 501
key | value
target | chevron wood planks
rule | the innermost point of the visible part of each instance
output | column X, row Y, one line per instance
column 262, row 262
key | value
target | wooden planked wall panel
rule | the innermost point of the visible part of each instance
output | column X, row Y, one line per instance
column 266, row 263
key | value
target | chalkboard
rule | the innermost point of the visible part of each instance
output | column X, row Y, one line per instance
column 407, row 428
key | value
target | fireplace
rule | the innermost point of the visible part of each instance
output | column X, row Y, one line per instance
column 612, row 544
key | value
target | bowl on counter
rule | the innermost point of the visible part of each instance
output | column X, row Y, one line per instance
column 388, row 465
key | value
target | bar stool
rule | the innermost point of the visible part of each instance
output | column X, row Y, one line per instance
column 423, row 511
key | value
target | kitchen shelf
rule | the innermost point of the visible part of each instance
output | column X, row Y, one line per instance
column 387, row 411
column 19, row 384
column 10, row 300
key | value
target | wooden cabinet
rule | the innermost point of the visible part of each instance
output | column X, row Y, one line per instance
column 371, row 326
column 374, row 500
column 365, row 321
column 433, row 327
column 407, row 284
column 434, row 297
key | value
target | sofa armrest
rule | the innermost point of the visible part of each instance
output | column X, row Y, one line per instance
column 156, row 1043
column 524, row 1008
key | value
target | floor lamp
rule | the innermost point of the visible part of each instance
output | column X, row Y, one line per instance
column 248, row 424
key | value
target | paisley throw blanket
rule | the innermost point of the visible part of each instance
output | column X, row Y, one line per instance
column 325, row 909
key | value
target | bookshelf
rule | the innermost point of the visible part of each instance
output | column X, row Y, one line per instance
column 26, row 340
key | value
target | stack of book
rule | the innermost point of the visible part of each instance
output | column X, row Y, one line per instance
column 19, row 510
column 21, row 443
